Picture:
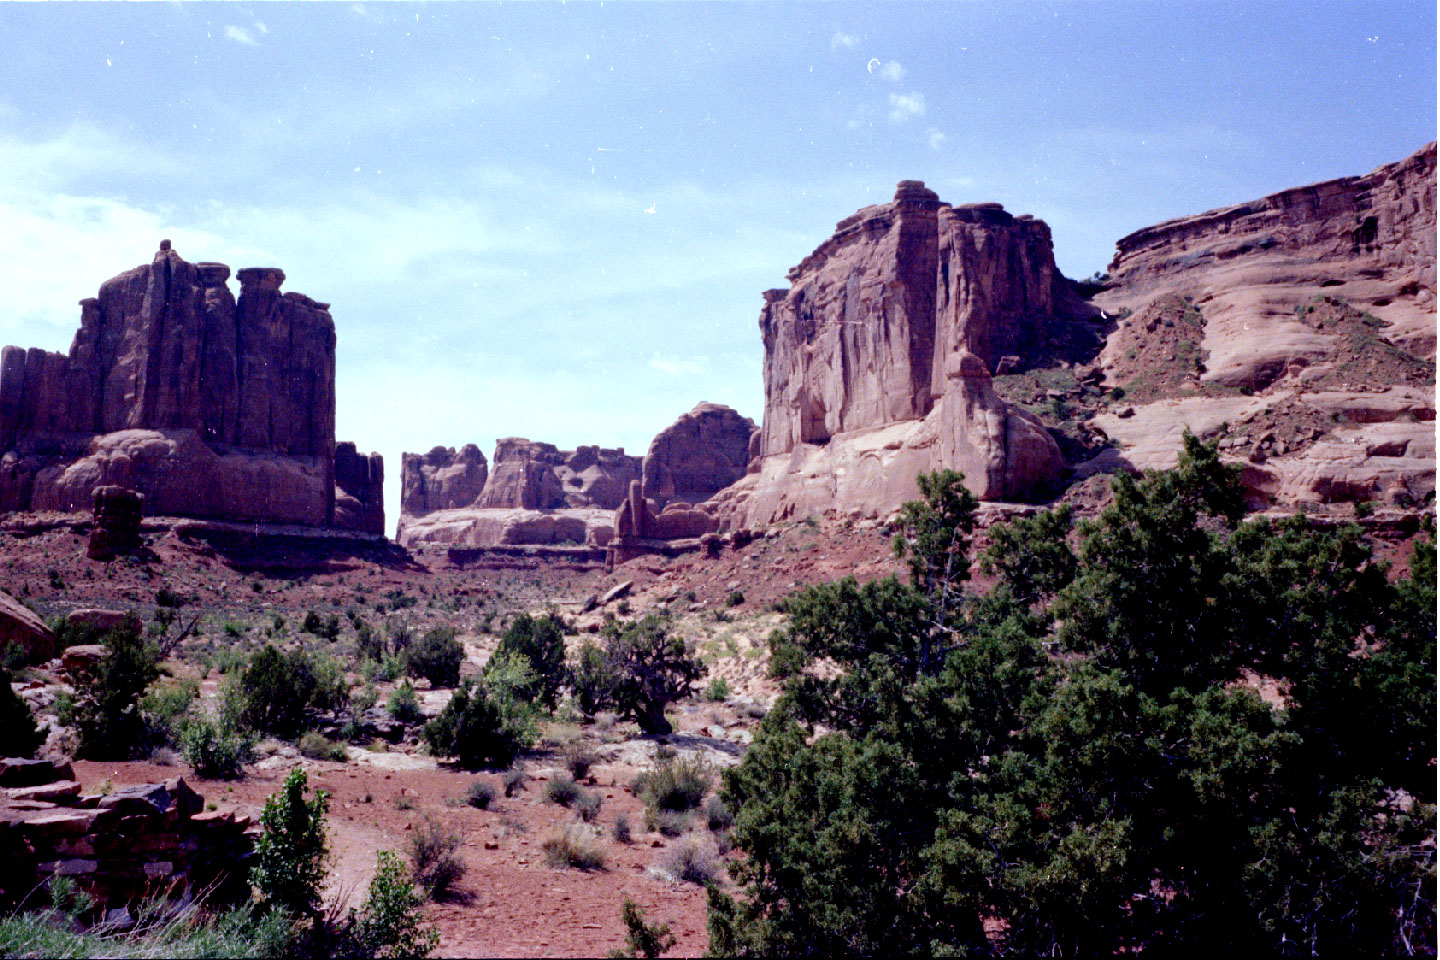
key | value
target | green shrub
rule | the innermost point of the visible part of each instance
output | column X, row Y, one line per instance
column 513, row 781
column 108, row 721
column 562, row 790
column 572, row 846
column 277, row 689
column 369, row 645
column 670, row 823
column 578, row 759
column 734, row 599
column 675, row 783
column 643, row 939
column 165, row 707
column 587, row 805
column 404, row 705
column 480, row 795
column 691, row 861
column 541, row 642
column 717, row 690
column 620, row 829
column 292, row 852
column 487, row 724
column 311, row 623
column 437, row 657
column 213, row 748
column 388, row 924
column 23, row 735
column 317, row 746
column 592, row 679
column 435, row 864
column 717, row 815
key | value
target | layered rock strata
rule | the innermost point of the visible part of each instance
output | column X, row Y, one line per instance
column 697, row 456
column 209, row 405
column 441, row 479
column 116, row 528
column 878, row 360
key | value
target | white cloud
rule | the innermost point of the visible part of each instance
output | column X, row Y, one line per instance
column 893, row 72
column 935, row 137
column 904, row 106
column 261, row 27
column 240, row 35
column 844, row 41
column 676, row 367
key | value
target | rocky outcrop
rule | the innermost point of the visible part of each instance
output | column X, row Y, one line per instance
column 122, row 847
column 359, row 490
column 441, row 479
column 506, row 527
column 20, row 626
column 210, row 406
column 641, row 527
column 698, row 455
column 893, row 326
column 116, row 528
column 539, row 476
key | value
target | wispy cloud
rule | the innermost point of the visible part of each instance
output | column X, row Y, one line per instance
column 844, row 41
column 676, row 367
column 905, row 106
column 240, row 35
column 891, row 71
column 935, row 137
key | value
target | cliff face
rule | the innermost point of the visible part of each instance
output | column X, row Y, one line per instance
column 441, row 479
column 209, row 406
column 895, row 325
column 697, row 456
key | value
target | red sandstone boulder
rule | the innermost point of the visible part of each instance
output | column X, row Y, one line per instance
column 21, row 626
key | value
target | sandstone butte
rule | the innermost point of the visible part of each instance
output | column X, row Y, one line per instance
column 539, row 495
column 209, row 406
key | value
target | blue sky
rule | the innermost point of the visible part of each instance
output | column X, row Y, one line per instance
column 556, row 221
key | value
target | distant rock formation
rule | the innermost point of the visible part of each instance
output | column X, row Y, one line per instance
column 698, row 455
column 116, row 527
column 210, row 406
column 538, row 476
column 359, row 490
column 441, row 479
column 878, row 360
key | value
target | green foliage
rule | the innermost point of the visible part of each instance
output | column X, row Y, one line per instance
column 717, row 690
column 235, row 933
column 643, row 939
column 317, row 746
column 437, row 657
column 280, row 690
column 108, row 720
column 487, row 724
column 651, row 669
column 562, row 790
column 480, row 795
column 434, row 862
column 675, row 783
column 166, row 705
column 292, row 851
column 572, row 846
column 541, row 642
column 1129, row 796
column 214, row 748
column 23, row 734
column 404, row 705
column 934, row 537
column 388, row 924
column 592, row 680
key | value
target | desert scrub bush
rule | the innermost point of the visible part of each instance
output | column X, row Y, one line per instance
column 587, row 805
column 734, row 599
column 488, row 723
column 717, row 815
column 643, row 939
column 480, row 795
column 388, row 923
column 717, row 690
column 513, row 780
column 435, row 863
column 572, row 846
column 22, row 733
column 541, row 642
column 578, row 758
column 404, row 706
column 165, row 706
column 437, row 657
column 675, row 783
column 317, row 746
column 668, row 823
column 108, row 721
column 215, row 749
column 562, row 790
column 691, row 861
column 276, row 690
column 292, row 852
column 620, row 829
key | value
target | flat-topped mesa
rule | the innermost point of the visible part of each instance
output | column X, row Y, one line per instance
column 210, row 406
column 878, row 322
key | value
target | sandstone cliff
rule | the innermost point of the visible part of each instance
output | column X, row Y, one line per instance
column 1306, row 320
column 441, row 479
column 208, row 405
column 878, row 360
column 698, row 455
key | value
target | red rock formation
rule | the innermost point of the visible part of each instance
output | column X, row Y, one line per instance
column 441, row 479
column 896, row 322
column 538, row 476
column 209, row 406
column 116, row 529
column 698, row 455
column 359, row 490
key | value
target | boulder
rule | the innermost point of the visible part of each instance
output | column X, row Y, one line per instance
column 21, row 626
